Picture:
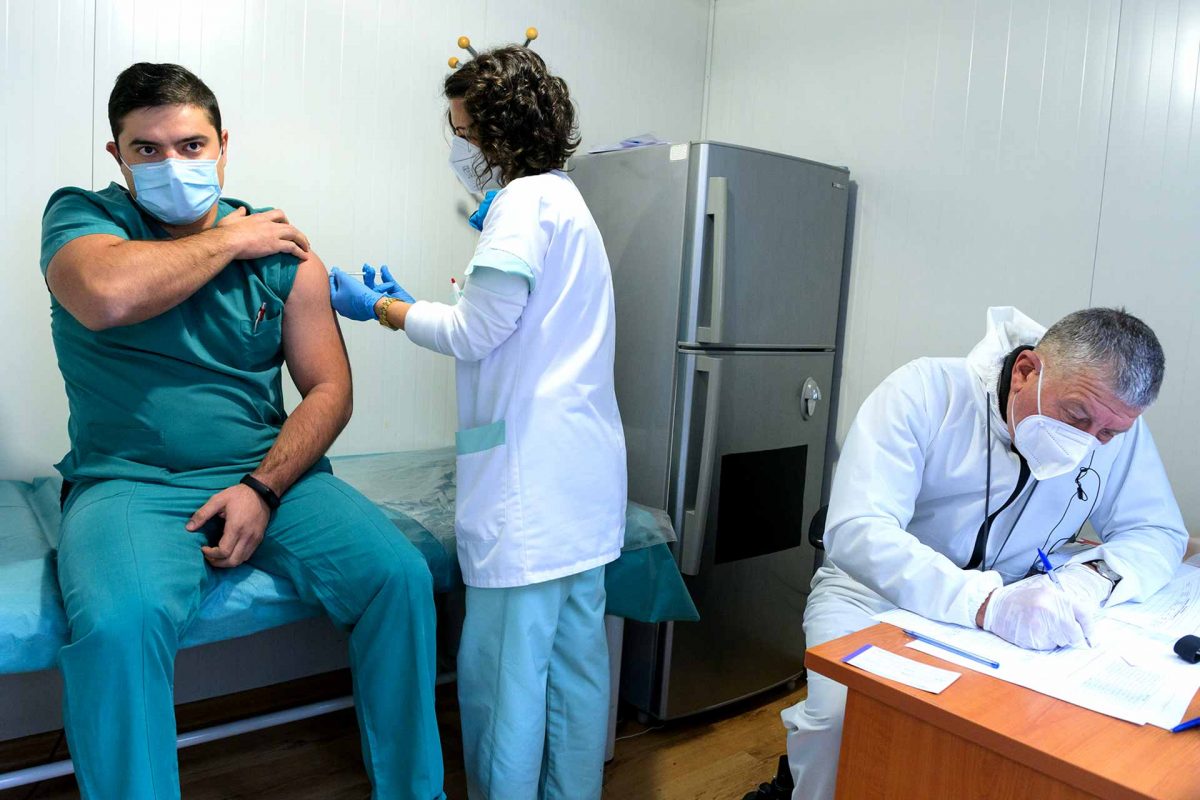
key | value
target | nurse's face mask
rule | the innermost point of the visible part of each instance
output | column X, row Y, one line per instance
column 464, row 158
column 1050, row 446
column 177, row 191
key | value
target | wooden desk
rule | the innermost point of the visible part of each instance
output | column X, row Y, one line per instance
column 984, row 738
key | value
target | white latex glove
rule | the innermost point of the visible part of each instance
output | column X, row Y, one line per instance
column 1087, row 587
column 1035, row 614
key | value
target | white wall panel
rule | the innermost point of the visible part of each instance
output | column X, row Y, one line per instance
column 1150, row 225
column 335, row 115
column 632, row 66
column 45, row 142
column 976, row 134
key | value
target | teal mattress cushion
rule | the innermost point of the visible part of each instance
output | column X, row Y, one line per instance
column 415, row 489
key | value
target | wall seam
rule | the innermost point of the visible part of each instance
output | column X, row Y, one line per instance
column 1107, row 149
column 95, row 47
column 708, row 61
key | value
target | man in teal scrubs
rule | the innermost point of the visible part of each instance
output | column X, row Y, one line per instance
column 173, row 311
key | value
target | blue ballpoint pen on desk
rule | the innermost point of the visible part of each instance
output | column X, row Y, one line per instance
column 1050, row 571
column 987, row 662
column 1183, row 726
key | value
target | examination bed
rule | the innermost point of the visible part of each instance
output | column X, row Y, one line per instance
column 415, row 489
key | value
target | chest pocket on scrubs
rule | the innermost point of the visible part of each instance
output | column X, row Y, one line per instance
column 483, row 481
column 260, row 343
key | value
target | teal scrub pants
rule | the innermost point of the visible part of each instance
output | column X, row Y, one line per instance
column 132, row 578
column 533, row 689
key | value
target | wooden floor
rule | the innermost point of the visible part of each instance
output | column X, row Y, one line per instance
column 718, row 756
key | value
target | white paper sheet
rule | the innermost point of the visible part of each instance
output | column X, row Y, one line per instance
column 887, row 664
column 1132, row 673
column 1173, row 611
column 1115, row 687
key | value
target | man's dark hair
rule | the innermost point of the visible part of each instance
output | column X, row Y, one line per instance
column 522, row 115
column 147, row 85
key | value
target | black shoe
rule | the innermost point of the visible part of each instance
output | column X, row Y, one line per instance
column 778, row 789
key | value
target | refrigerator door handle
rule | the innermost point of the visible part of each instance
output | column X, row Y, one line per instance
column 717, row 207
column 695, row 519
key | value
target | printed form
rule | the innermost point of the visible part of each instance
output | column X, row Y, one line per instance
column 1131, row 673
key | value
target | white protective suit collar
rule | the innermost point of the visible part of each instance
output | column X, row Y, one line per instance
column 1007, row 329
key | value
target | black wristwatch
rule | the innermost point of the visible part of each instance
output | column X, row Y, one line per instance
column 262, row 490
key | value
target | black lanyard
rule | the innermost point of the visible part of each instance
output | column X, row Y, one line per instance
column 985, row 528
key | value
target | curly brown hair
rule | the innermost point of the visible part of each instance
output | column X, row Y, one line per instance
column 522, row 116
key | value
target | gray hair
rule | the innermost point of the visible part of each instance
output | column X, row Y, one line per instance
column 1114, row 345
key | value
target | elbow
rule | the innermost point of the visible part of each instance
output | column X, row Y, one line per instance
column 93, row 322
column 344, row 408
column 471, row 354
column 93, row 293
column 105, row 308
column 476, row 345
column 336, row 400
column 103, row 318
column 473, row 351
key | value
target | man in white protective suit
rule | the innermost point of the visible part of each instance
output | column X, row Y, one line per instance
column 957, row 470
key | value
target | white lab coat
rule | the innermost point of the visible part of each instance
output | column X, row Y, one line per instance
column 541, row 451
column 908, row 499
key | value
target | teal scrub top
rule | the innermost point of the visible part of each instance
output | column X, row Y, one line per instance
column 191, row 398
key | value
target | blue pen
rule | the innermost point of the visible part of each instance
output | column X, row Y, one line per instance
column 1183, row 726
column 1050, row 571
column 987, row 662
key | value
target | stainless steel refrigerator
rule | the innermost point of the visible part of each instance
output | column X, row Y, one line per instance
column 727, row 266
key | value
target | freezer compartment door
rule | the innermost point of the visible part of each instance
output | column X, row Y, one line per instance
column 751, row 453
column 763, row 254
column 637, row 199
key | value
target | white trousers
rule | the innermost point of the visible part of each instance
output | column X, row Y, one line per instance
column 837, row 606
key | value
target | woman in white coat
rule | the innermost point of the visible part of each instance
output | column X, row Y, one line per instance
column 541, row 452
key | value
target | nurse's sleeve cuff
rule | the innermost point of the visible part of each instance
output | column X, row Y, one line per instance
column 422, row 322
column 503, row 261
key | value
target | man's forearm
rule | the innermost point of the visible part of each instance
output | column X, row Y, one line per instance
column 135, row 281
column 305, row 437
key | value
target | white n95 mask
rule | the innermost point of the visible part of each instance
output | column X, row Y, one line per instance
column 177, row 191
column 1050, row 446
column 463, row 158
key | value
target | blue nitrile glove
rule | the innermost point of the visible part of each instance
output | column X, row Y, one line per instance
column 352, row 298
column 477, row 218
column 388, row 287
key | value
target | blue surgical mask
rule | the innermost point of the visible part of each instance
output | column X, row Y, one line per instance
column 177, row 191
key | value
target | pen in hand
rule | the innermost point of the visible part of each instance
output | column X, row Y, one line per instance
column 1054, row 578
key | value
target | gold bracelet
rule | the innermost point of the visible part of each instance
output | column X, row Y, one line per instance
column 382, row 314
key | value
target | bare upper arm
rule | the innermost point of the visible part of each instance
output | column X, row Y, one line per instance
column 312, row 340
column 68, row 276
